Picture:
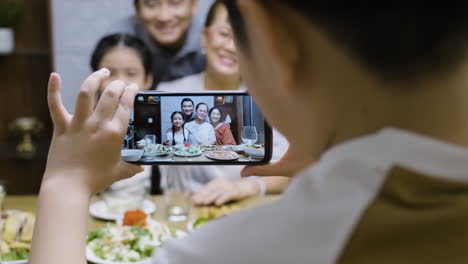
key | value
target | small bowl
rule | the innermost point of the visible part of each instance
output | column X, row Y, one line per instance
column 255, row 152
column 132, row 155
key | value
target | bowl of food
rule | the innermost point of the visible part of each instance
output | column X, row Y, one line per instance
column 132, row 155
column 256, row 151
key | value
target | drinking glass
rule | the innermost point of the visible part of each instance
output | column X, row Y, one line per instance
column 176, row 185
column 249, row 137
column 128, row 136
column 150, row 139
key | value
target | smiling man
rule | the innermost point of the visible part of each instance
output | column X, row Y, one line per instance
column 172, row 30
column 376, row 94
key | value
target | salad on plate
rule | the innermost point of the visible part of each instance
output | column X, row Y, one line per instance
column 134, row 240
column 154, row 150
column 187, row 151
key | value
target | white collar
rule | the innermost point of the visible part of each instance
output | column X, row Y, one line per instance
column 391, row 146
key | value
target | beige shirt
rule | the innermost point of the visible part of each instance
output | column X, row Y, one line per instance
column 390, row 197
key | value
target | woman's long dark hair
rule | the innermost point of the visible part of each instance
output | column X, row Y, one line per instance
column 173, row 127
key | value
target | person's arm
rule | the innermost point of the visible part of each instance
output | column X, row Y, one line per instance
column 211, row 135
column 169, row 138
column 228, row 138
column 84, row 158
column 221, row 191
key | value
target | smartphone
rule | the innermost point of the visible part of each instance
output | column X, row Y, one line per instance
column 203, row 128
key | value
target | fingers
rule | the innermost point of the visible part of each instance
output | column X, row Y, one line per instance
column 289, row 165
column 206, row 196
column 85, row 102
column 122, row 113
column 58, row 113
column 224, row 198
column 127, row 170
column 109, row 101
column 268, row 170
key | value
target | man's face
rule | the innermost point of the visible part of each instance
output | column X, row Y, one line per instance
column 187, row 108
column 167, row 21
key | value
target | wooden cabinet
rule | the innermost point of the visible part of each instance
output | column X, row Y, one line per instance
column 23, row 92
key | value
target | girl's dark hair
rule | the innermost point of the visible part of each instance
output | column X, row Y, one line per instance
column 111, row 41
column 215, row 108
column 198, row 105
column 173, row 127
column 212, row 12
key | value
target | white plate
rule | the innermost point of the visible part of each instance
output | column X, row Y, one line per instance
column 94, row 259
column 235, row 148
column 24, row 261
column 99, row 210
column 189, row 155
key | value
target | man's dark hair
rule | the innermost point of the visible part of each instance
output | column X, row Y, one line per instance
column 395, row 42
column 186, row 100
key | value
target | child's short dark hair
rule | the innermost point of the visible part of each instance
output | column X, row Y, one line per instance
column 394, row 42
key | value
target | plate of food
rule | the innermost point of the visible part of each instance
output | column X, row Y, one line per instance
column 100, row 210
column 17, row 235
column 235, row 148
column 207, row 214
column 156, row 150
column 208, row 147
column 256, row 151
column 187, row 151
column 222, row 155
column 134, row 240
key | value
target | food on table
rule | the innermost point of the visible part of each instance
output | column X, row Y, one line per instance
column 187, row 151
column 128, row 243
column 157, row 150
column 206, row 214
column 17, row 234
column 208, row 147
column 235, row 148
column 135, row 218
column 222, row 155
column 200, row 221
column 255, row 146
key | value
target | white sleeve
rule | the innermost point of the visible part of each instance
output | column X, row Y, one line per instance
column 169, row 136
column 212, row 136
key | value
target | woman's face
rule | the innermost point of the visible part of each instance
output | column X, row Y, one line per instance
column 218, row 41
column 126, row 65
column 167, row 21
column 215, row 116
column 178, row 120
column 202, row 112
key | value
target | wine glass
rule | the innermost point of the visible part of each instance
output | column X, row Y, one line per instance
column 249, row 137
column 128, row 136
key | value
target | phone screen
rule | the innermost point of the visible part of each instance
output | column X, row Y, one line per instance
column 197, row 128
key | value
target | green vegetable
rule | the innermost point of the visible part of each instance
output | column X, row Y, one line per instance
column 16, row 254
column 201, row 221
column 95, row 234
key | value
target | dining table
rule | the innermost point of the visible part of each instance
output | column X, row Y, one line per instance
column 29, row 203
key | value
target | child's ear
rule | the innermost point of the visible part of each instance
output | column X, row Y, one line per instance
column 148, row 82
